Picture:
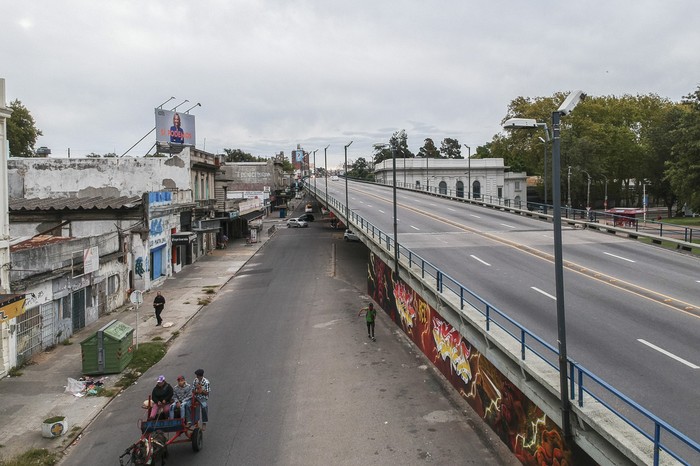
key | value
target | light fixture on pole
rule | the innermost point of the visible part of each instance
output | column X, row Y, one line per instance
column 325, row 169
column 347, row 205
column 161, row 105
column 469, row 171
column 175, row 107
column 564, row 109
column 195, row 105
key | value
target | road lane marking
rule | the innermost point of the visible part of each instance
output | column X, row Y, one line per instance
column 477, row 259
column 619, row 257
column 381, row 211
column 475, row 216
column 451, row 209
column 544, row 293
column 506, row 225
column 670, row 355
column 415, row 228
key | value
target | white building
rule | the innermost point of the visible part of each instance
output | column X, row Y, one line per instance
column 488, row 179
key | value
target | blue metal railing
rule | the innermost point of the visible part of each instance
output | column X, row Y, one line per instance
column 580, row 378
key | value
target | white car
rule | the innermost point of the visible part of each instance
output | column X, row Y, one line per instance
column 309, row 208
column 334, row 178
column 350, row 236
column 296, row 223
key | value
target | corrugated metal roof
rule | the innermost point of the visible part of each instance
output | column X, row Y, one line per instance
column 72, row 203
column 38, row 241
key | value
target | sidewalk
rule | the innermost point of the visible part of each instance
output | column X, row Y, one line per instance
column 39, row 392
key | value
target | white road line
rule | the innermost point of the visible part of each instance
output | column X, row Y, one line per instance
column 450, row 208
column 381, row 211
column 506, row 225
column 619, row 257
column 415, row 228
column 670, row 355
column 477, row 259
column 475, row 216
column 433, row 204
column 547, row 236
column 544, row 293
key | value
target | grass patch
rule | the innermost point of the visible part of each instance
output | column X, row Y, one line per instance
column 146, row 356
column 176, row 333
column 157, row 339
column 107, row 392
column 685, row 221
column 186, row 302
column 35, row 457
column 66, row 342
column 209, row 291
column 203, row 301
column 15, row 371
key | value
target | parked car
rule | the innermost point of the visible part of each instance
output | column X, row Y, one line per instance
column 350, row 236
column 307, row 217
column 296, row 223
column 309, row 208
column 334, row 178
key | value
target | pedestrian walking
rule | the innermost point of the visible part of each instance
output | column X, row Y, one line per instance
column 158, row 305
column 370, row 317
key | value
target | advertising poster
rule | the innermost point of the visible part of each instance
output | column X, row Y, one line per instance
column 174, row 127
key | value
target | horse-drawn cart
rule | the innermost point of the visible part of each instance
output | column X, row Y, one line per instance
column 157, row 434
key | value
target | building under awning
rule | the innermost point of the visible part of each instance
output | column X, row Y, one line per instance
column 11, row 305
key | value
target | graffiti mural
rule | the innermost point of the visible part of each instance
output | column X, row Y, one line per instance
column 532, row 437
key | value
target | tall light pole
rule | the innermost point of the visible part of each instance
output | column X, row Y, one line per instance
column 396, row 230
column 568, row 187
column 347, row 205
column 325, row 163
column 544, row 154
column 315, row 150
column 605, row 199
column 427, row 173
column 469, row 171
column 566, row 107
column 588, row 193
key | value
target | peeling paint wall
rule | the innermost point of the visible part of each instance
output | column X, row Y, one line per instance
column 91, row 177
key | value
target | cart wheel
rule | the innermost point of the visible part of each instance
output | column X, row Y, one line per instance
column 197, row 439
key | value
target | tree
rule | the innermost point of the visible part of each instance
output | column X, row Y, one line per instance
column 399, row 142
column 22, row 132
column 361, row 170
column 237, row 155
column 683, row 171
column 450, row 149
column 429, row 150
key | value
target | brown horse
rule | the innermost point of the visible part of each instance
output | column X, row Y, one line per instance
column 148, row 450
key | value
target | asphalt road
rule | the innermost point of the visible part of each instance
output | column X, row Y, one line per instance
column 296, row 381
column 631, row 309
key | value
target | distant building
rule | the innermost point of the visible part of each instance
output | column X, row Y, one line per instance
column 488, row 178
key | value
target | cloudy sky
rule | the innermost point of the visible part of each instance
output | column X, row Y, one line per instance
column 271, row 74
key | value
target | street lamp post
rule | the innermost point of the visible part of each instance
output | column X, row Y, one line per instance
column 544, row 156
column 566, row 107
column 315, row 150
column 325, row 169
column 469, row 171
column 396, row 233
column 588, row 194
column 605, row 199
column 347, row 205
column 427, row 173
column 568, row 188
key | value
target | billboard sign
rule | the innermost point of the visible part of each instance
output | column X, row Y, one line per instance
column 298, row 155
column 174, row 128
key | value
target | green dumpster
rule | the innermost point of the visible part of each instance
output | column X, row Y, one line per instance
column 109, row 350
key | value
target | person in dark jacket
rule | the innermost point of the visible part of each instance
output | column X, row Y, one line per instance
column 158, row 305
column 161, row 398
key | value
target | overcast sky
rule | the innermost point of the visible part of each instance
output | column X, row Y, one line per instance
column 271, row 74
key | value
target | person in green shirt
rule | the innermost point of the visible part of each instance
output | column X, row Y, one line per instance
column 370, row 316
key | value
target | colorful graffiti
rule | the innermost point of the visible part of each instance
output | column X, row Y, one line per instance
column 532, row 437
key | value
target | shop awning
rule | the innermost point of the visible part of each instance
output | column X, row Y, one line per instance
column 11, row 305
column 183, row 238
column 252, row 215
